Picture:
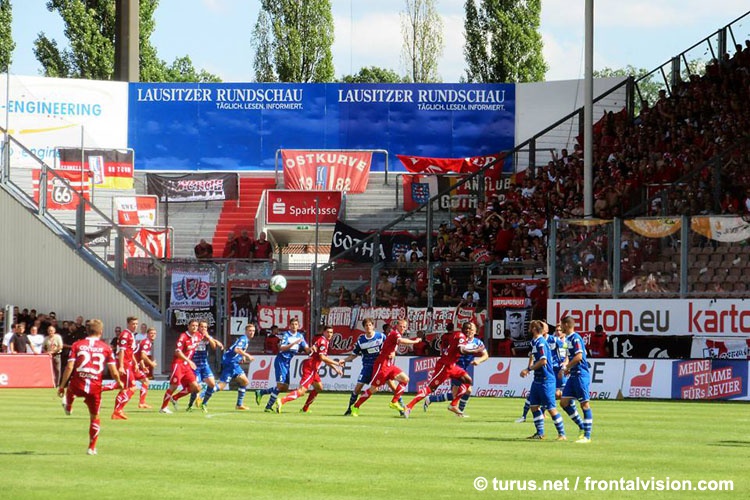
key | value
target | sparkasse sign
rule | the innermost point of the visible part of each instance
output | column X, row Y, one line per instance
column 300, row 207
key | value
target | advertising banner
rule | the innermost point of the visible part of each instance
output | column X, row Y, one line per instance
column 109, row 168
column 60, row 196
column 299, row 207
column 193, row 187
column 724, row 317
column 720, row 348
column 190, row 291
column 651, row 346
column 647, row 378
column 25, row 371
column 243, row 125
column 344, row 171
column 135, row 210
column 709, row 379
column 45, row 114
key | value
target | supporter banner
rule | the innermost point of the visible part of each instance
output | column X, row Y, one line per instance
column 269, row 316
column 194, row 187
column 647, row 379
column 135, row 210
column 109, row 168
column 243, row 125
column 347, row 323
column 190, row 291
column 344, row 171
column 44, row 114
column 709, row 379
column 26, row 371
column 724, row 229
column 156, row 241
column 655, row 317
column 654, row 228
column 299, row 207
column 181, row 317
column 421, row 164
column 96, row 238
column 720, row 348
column 418, row 189
column 648, row 346
column 345, row 237
column 61, row 196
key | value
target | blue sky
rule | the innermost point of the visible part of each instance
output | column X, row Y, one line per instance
column 216, row 33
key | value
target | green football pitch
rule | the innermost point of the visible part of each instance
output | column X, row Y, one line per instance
column 227, row 454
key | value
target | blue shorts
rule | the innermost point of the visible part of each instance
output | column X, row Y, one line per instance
column 281, row 369
column 230, row 371
column 560, row 378
column 203, row 371
column 577, row 387
column 365, row 375
column 542, row 394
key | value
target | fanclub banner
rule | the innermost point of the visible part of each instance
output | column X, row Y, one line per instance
column 135, row 210
column 391, row 245
column 269, row 316
column 651, row 346
column 63, row 189
column 190, row 291
column 347, row 323
column 194, row 187
column 109, row 168
column 345, row 171
column 100, row 238
column 155, row 241
column 720, row 348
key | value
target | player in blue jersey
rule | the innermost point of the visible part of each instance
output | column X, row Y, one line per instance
column 368, row 346
column 542, row 392
column 231, row 369
column 577, row 386
column 477, row 355
column 559, row 349
column 203, row 368
column 292, row 342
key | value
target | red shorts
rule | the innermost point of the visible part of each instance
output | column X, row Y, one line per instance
column 442, row 372
column 383, row 373
column 91, row 393
column 128, row 377
column 310, row 374
column 182, row 375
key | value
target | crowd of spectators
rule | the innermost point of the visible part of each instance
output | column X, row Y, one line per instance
column 242, row 247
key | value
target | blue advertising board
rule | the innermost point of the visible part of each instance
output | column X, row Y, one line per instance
column 240, row 126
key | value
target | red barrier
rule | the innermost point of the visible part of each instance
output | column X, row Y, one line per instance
column 23, row 371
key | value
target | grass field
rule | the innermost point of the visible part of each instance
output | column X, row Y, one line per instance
column 229, row 454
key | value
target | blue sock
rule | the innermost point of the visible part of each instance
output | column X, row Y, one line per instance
column 438, row 398
column 209, row 392
column 353, row 399
column 274, row 394
column 574, row 416
column 588, row 422
column 538, row 421
column 558, row 421
column 266, row 391
column 464, row 400
column 241, row 395
column 526, row 407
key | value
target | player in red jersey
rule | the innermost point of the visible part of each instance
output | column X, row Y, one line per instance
column 183, row 373
column 310, row 375
column 446, row 368
column 83, row 376
column 126, row 365
column 385, row 368
column 145, row 368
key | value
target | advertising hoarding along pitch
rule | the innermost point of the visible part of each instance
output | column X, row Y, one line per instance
column 240, row 126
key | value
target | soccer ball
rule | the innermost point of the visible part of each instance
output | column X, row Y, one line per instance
column 277, row 283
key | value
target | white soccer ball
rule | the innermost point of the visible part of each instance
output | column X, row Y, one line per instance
column 277, row 283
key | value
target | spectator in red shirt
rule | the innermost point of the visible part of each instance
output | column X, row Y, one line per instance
column 423, row 347
column 230, row 248
column 244, row 246
column 204, row 250
column 271, row 344
column 262, row 248
column 598, row 343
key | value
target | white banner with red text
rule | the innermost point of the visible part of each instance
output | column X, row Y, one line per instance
column 135, row 210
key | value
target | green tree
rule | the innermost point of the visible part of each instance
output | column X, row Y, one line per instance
column 90, row 30
column 292, row 41
column 503, row 43
column 422, row 32
column 648, row 87
column 6, row 35
column 374, row 74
